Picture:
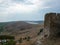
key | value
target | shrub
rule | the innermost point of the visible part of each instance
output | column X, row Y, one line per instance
column 25, row 38
column 11, row 42
column 6, row 37
column 28, row 38
column 20, row 40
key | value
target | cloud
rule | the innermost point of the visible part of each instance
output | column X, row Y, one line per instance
column 8, row 6
column 25, row 9
column 26, row 6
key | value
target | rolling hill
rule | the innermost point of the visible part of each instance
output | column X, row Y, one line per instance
column 16, row 26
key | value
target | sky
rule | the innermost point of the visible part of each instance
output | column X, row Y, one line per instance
column 27, row 10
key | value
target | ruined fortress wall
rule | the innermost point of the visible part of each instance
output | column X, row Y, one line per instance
column 52, row 24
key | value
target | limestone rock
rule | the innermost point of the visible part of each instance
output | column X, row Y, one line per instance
column 52, row 24
column 52, row 29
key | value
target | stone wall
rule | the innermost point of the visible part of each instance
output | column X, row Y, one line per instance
column 52, row 24
column 51, row 29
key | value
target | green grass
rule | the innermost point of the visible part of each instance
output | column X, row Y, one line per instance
column 1, row 27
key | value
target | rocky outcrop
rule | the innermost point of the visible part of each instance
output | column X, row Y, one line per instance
column 52, row 29
column 52, row 24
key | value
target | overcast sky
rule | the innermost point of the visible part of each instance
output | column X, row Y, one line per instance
column 27, row 10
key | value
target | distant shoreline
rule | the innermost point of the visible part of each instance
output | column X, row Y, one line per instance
column 35, row 22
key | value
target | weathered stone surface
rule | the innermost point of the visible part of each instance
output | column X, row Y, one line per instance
column 52, row 29
column 52, row 24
